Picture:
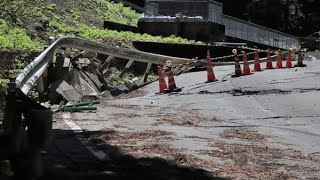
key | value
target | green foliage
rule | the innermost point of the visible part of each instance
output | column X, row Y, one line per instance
column 117, row 37
column 75, row 14
column 151, row 78
column 62, row 28
column 19, row 64
column 114, row 80
column 116, row 12
column 51, row 7
column 16, row 38
column 3, row 84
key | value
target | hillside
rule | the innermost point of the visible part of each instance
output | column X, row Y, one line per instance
column 27, row 24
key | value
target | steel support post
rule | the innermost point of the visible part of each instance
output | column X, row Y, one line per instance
column 126, row 68
column 147, row 72
column 106, row 64
column 40, row 89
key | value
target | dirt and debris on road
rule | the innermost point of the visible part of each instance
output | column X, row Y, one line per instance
column 260, row 162
column 253, row 161
column 185, row 118
column 125, row 115
column 244, row 134
column 133, row 94
column 151, row 144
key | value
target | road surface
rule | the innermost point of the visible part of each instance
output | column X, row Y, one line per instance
column 261, row 126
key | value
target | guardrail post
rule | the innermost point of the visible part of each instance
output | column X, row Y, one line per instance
column 40, row 127
column 147, row 72
column 9, row 113
column 126, row 68
column 66, row 52
column 27, row 161
column 13, row 122
column 40, row 89
column 106, row 64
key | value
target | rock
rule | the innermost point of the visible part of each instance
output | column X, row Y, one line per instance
column 84, row 61
column 137, row 82
column 69, row 93
column 87, row 98
column 106, row 94
column 116, row 92
column 87, row 80
column 95, row 79
column 123, row 88
column 131, row 86
column 66, row 62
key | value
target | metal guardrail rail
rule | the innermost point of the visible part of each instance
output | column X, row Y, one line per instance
column 32, row 72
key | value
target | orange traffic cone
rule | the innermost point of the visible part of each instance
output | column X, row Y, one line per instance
column 288, row 63
column 300, row 60
column 210, row 73
column 279, row 60
column 171, row 82
column 257, row 66
column 238, row 71
column 162, row 82
column 269, row 60
column 246, row 67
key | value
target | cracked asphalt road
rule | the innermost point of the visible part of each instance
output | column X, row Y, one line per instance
column 262, row 126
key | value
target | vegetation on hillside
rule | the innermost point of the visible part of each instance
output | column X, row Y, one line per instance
column 33, row 21
column 16, row 38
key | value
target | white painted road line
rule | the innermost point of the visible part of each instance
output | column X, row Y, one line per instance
column 77, row 129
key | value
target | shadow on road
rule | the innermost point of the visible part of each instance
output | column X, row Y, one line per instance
column 68, row 158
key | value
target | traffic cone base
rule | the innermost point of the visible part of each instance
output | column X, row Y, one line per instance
column 301, row 65
column 212, row 81
column 211, row 77
column 269, row 68
column 247, row 73
column 174, row 90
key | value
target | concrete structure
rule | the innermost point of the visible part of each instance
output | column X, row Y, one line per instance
column 191, row 29
column 204, row 20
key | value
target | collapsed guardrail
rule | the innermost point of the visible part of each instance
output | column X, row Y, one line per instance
column 30, row 75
